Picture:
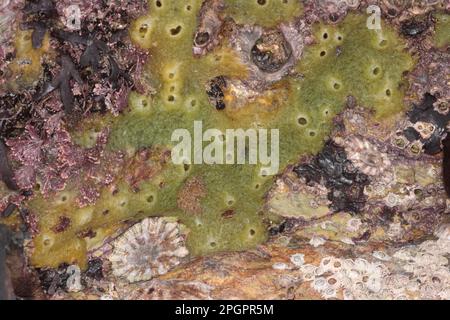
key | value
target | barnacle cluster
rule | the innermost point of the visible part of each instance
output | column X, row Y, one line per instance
column 416, row 272
column 90, row 107
column 363, row 172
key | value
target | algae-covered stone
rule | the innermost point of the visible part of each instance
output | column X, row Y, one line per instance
column 347, row 59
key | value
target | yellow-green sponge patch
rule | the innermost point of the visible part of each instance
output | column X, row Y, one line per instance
column 351, row 59
column 442, row 35
column 266, row 13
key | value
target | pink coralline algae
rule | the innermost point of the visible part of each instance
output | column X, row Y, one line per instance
column 52, row 158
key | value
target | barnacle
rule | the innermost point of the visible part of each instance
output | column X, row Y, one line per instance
column 361, row 113
column 427, row 125
column 270, row 52
column 209, row 26
column 365, row 156
column 149, row 248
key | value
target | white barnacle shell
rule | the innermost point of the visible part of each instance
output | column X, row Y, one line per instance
column 445, row 294
column 149, row 248
column 298, row 259
column 319, row 284
column 308, row 276
column 443, row 232
column 425, row 129
column 326, row 261
column 329, row 293
column 395, row 229
column 347, row 294
column 361, row 264
column 73, row 282
column 280, row 266
column 403, row 254
column 354, row 224
column 374, row 283
column 308, row 268
column 365, row 156
column 392, row 200
column 380, row 255
column 347, row 240
column 316, row 241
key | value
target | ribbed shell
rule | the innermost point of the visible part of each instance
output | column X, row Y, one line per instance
column 148, row 249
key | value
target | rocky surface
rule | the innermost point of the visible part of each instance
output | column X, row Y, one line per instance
column 92, row 206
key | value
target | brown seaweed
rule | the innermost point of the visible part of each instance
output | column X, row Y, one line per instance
column 62, row 82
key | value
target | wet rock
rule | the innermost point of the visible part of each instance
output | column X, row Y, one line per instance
column 53, row 280
column 413, row 28
column 345, row 184
column 271, row 51
column 428, row 125
column 95, row 269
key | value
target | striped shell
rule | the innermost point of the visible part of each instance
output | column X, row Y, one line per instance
column 150, row 248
